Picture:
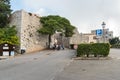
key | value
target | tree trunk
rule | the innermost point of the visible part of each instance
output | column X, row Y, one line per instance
column 49, row 38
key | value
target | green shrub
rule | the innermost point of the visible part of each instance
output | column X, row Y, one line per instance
column 96, row 49
column 115, row 46
column 84, row 49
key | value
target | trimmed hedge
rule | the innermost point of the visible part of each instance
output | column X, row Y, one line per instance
column 115, row 46
column 96, row 49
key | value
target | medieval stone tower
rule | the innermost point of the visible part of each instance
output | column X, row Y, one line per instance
column 27, row 25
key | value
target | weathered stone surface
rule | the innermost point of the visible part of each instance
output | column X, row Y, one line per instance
column 75, row 39
column 27, row 25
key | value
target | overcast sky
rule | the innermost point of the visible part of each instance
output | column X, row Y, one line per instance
column 86, row 15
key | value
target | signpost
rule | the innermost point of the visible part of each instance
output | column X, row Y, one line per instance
column 99, row 32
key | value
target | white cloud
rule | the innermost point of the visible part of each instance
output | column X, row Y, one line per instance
column 45, row 12
column 84, row 14
column 42, row 12
column 113, row 25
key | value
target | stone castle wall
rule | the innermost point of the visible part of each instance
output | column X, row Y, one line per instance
column 75, row 39
column 27, row 25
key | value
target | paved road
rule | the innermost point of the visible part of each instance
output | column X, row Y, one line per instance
column 43, row 65
column 93, row 69
column 115, row 53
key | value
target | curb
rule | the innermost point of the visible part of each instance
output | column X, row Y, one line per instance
column 3, row 57
column 92, row 58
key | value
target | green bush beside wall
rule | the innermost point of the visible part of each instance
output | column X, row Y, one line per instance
column 96, row 49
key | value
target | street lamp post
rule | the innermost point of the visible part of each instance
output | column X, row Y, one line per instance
column 103, row 36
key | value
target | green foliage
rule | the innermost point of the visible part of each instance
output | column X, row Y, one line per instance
column 114, row 41
column 96, row 49
column 84, row 49
column 5, row 12
column 69, row 31
column 116, row 45
column 54, row 23
column 8, row 35
column 101, row 49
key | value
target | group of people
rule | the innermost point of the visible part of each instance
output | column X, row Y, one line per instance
column 58, row 46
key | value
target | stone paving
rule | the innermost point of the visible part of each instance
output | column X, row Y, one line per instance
column 43, row 65
column 93, row 69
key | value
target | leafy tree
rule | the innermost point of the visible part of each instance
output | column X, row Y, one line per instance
column 114, row 41
column 53, row 23
column 8, row 35
column 5, row 12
